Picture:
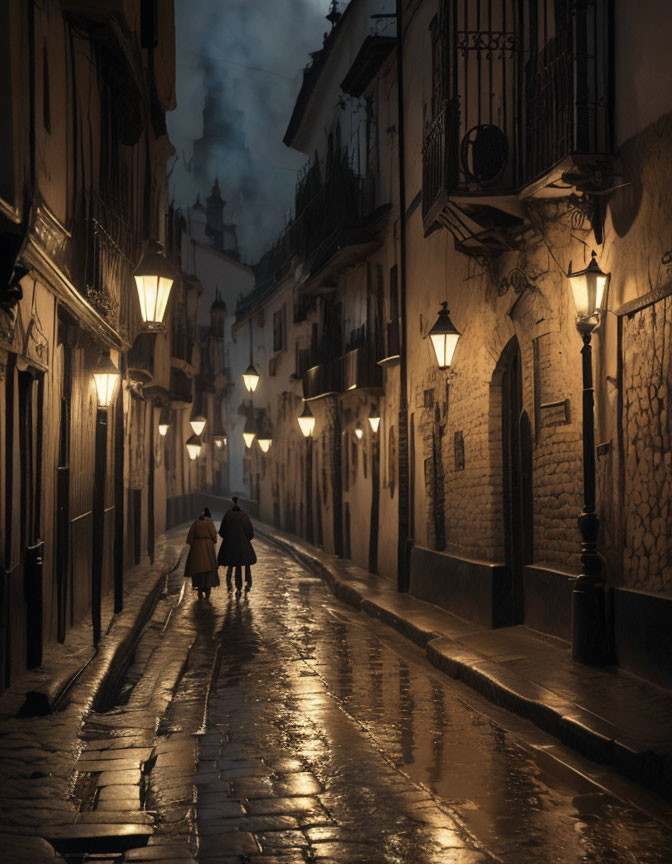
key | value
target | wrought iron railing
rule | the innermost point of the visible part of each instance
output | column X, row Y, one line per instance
column 439, row 155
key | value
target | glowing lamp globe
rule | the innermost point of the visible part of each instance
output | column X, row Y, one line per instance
column 306, row 421
column 197, row 423
column 250, row 378
column 264, row 444
column 194, row 447
column 164, row 422
column 588, row 288
column 248, row 438
column 374, row 419
column 359, row 431
column 220, row 440
column 444, row 336
column 106, row 377
column 153, row 278
column 163, row 429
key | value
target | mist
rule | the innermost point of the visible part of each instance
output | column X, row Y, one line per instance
column 247, row 58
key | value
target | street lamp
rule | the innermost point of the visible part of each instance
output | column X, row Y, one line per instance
column 194, row 447
column 374, row 419
column 220, row 440
column 164, row 423
column 197, row 423
column 251, row 378
column 264, row 444
column 444, row 336
column 588, row 289
column 588, row 634
column 306, row 421
column 153, row 278
column 249, row 432
column 106, row 377
column 359, row 430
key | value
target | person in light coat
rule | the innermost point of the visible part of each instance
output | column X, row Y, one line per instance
column 202, row 561
column 236, row 550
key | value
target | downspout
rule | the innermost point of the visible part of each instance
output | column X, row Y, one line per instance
column 403, row 539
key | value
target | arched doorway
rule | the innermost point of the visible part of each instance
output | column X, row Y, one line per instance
column 517, row 477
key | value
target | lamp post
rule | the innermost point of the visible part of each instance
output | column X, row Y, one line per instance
column 588, row 634
column 306, row 421
column 153, row 278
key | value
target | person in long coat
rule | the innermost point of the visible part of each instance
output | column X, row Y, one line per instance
column 202, row 560
column 236, row 550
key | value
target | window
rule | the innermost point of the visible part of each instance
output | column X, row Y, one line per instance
column 280, row 329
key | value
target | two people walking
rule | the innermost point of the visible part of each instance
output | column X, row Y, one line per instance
column 235, row 552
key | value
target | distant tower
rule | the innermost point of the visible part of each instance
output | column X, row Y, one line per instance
column 217, row 316
column 215, row 217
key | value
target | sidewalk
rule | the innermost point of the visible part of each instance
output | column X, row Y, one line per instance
column 609, row 715
column 42, row 713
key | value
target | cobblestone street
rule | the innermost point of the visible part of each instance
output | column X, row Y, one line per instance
column 285, row 727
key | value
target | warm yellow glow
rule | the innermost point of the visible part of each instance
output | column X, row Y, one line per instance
column 198, row 425
column 264, row 444
column 219, row 443
column 193, row 448
column 153, row 294
column 248, row 438
column 306, row 421
column 163, row 429
column 444, row 347
column 588, row 289
column 375, row 423
column 359, row 432
column 106, row 386
column 250, row 378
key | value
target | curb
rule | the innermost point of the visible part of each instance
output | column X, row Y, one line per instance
column 587, row 733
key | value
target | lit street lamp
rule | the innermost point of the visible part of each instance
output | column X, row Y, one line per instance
column 194, row 447
column 197, row 423
column 106, row 377
column 264, row 444
column 444, row 336
column 164, row 423
column 220, row 440
column 153, row 278
column 588, row 632
column 359, row 431
column 251, row 378
column 306, row 421
column 374, row 419
column 249, row 432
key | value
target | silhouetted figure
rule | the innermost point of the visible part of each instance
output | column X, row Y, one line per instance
column 236, row 550
column 202, row 561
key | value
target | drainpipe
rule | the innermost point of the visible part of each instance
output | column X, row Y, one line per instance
column 403, row 540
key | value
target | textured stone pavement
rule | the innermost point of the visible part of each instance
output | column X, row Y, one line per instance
column 285, row 727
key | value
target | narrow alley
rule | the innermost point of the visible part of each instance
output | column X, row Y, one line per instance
column 299, row 732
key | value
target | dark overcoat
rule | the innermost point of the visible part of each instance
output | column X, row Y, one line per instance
column 236, row 532
column 202, row 539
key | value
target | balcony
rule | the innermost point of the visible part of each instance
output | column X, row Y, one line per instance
column 359, row 370
column 322, row 380
column 392, row 342
column 516, row 115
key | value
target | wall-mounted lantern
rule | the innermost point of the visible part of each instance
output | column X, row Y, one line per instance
column 221, row 440
column 444, row 336
column 359, row 431
column 153, row 278
column 194, row 447
column 306, row 421
column 106, row 377
column 251, row 378
column 264, row 444
column 588, row 287
column 374, row 419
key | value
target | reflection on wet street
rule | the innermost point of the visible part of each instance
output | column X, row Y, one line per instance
column 330, row 738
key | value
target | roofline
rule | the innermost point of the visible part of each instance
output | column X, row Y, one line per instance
column 311, row 75
column 221, row 254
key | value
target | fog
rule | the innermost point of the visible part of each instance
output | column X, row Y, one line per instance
column 246, row 59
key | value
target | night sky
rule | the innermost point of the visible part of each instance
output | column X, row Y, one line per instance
column 252, row 54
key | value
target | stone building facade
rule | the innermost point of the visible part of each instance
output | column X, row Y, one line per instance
column 82, row 187
column 520, row 155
